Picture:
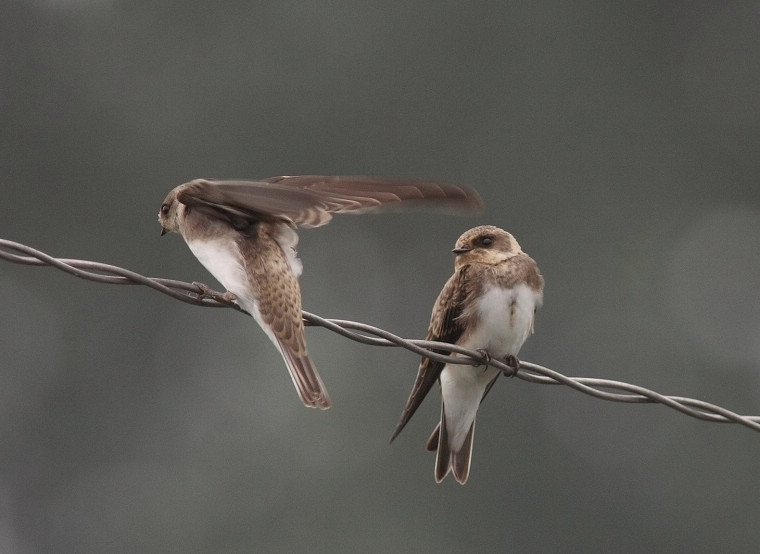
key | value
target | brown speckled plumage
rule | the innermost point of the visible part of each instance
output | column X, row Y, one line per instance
column 243, row 233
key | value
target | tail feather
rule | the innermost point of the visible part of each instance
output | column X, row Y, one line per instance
column 306, row 379
column 432, row 443
column 443, row 457
column 460, row 461
column 434, row 440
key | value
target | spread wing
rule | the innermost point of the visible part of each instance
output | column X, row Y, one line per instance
column 445, row 326
column 310, row 200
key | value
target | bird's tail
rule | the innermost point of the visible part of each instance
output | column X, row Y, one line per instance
column 456, row 461
column 306, row 378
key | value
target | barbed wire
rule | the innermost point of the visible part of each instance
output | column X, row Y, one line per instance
column 200, row 295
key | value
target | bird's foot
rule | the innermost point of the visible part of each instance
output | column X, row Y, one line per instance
column 514, row 365
column 485, row 358
column 226, row 297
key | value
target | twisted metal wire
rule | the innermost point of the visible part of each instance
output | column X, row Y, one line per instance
column 200, row 295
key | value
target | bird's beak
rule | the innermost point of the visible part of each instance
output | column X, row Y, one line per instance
column 461, row 250
column 163, row 231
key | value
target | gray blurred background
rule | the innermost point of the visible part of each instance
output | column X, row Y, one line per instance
column 618, row 142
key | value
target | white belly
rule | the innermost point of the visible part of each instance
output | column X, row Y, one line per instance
column 505, row 319
column 223, row 260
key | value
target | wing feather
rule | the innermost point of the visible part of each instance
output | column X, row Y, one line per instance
column 445, row 326
column 310, row 200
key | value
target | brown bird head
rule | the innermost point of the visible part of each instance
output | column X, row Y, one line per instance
column 486, row 245
column 168, row 215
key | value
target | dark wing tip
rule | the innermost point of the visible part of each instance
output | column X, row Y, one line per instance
column 399, row 426
column 427, row 375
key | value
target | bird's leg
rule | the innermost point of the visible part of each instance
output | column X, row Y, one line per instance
column 226, row 297
column 513, row 363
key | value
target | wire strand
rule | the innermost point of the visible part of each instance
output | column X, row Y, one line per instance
column 200, row 295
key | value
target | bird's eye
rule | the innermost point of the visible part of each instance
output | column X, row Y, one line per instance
column 486, row 241
column 164, row 209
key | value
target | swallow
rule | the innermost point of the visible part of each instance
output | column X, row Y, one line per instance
column 244, row 233
column 489, row 305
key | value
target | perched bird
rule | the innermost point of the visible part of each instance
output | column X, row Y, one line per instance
column 488, row 304
column 243, row 232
